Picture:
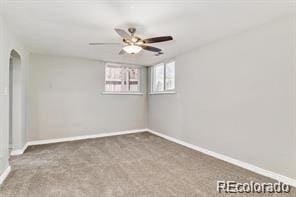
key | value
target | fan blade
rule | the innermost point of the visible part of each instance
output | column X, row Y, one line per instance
column 123, row 34
column 150, row 48
column 159, row 53
column 103, row 43
column 122, row 52
column 158, row 39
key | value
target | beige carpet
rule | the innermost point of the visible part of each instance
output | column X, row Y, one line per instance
column 139, row 164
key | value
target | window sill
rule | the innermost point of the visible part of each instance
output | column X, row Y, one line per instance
column 165, row 92
column 123, row 93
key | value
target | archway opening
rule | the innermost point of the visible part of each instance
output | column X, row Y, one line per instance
column 14, row 99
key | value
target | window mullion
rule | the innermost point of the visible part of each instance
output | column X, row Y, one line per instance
column 128, row 79
column 152, row 81
column 164, row 77
column 122, row 78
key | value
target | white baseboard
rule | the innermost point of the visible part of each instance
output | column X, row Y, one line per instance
column 67, row 139
column 4, row 174
column 253, row 168
column 19, row 151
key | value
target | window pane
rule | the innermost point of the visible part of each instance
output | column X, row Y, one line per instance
column 158, row 78
column 133, row 79
column 113, row 78
column 170, row 76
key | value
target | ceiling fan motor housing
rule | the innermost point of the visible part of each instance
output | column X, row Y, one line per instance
column 132, row 30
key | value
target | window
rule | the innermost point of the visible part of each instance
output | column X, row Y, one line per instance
column 163, row 77
column 122, row 78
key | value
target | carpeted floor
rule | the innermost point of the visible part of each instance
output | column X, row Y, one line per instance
column 139, row 164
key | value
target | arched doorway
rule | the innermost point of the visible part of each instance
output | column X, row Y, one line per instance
column 14, row 99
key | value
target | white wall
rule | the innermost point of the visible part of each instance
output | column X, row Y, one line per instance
column 65, row 100
column 235, row 97
column 7, row 44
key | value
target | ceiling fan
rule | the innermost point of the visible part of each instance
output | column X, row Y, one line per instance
column 134, row 44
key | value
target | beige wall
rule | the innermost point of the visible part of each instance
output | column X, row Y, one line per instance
column 65, row 100
column 235, row 97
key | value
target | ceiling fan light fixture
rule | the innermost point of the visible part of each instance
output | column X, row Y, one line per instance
column 134, row 44
column 132, row 49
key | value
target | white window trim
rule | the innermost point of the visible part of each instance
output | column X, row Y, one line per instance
column 173, row 91
column 122, row 93
column 139, row 93
column 163, row 92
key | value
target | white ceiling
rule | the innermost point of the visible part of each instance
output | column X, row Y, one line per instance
column 66, row 27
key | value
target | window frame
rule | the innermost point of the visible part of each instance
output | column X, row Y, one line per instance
column 111, row 64
column 172, row 91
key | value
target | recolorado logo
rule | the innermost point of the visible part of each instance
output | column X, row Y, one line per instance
column 251, row 187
